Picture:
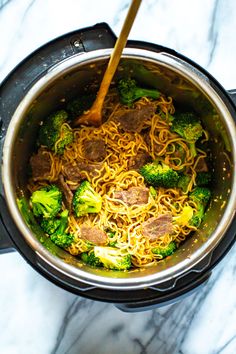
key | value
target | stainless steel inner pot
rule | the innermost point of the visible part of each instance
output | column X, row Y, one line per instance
column 172, row 76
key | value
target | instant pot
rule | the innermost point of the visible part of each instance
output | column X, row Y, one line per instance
column 62, row 70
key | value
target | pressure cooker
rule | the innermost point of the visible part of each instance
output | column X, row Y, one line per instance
column 60, row 70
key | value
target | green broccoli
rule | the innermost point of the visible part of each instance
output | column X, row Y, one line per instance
column 86, row 200
column 158, row 174
column 165, row 251
column 197, row 218
column 49, row 226
column 111, row 243
column 113, row 258
column 183, row 182
column 89, row 258
column 53, row 134
column 153, row 192
column 189, row 127
column 185, row 216
column 201, row 196
column 77, row 106
column 46, row 202
column 129, row 91
column 179, row 152
column 60, row 237
column 203, row 178
column 25, row 211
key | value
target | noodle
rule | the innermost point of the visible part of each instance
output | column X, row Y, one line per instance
column 126, row 221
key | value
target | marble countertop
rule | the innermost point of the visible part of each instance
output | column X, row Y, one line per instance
column 36, row 317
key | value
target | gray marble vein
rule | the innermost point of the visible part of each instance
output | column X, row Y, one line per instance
column 213, row 31
column 3, row 3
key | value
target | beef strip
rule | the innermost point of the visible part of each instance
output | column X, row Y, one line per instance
column 40, row 164
column 93, row 169
column 72, row 172
column 93, row 234
column 132, row 120
column 156, row 227
column 134, row 195
column 68, row 195
column 94, row 150
column 137, row 161
column 76, row 173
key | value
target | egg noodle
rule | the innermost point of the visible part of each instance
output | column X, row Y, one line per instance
column 123, row 220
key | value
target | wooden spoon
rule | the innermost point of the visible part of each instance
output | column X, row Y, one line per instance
column 94, row 115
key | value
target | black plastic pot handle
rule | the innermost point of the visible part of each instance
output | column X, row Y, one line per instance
column 92, row 38
column 176, row 296
column 6, row 244
column 43, row 59
column 5, row 241
column 232, row 94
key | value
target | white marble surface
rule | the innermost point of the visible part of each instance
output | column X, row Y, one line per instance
column 36, row 317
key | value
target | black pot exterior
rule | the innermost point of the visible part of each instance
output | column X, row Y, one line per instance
column 28, row 72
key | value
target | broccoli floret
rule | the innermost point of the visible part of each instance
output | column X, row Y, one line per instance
column 54, row 134
column 46, row 202
column 66, row 137
column 165, row 251
column 158, row 174
column 26, row 211
column 203, row 178
column 89, row 258
column 62, row 240
column 111, row 235
column 183, row 182
column 185, row 216
column 77, row 107
column 130, row 92
column 50, row 225
column 113, row 258
column 201, row 196
column 60, row 237
column 153, row 192
column 165, row 116
column 197, row 218
column 189, row 127
column 86, row 200
column 179, row 152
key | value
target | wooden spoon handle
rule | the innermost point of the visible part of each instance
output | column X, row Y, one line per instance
column 117, row 51
column 94, row 115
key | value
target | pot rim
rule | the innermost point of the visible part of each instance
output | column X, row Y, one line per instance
column 175, row 272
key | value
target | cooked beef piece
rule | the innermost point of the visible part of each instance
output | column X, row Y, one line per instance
column 94, row 150
column 91, row 168
column 137, row 161
column 201, row 166
column 134, row 195
column 156, row 227
column 93, row 234
column 76, row 173
column 40, row 164
column 147, row 139
column 72, row 172
column 68, row 195
column 132, row 120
